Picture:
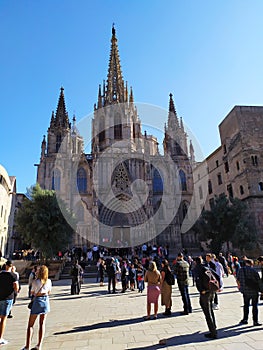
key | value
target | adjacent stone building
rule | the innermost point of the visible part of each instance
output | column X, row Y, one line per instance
column 7, row 205
column 236, row 167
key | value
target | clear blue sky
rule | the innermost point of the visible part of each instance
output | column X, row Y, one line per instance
column 207, row 53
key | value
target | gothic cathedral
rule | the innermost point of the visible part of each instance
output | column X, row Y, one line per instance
column 125, row 191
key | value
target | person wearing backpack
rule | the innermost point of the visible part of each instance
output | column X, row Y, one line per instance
column 206, row 297
column 181, row 269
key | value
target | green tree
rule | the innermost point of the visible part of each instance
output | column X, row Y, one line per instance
column 227, row 221
column 41, row 223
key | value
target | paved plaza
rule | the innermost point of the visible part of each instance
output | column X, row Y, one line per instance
column 97, row 320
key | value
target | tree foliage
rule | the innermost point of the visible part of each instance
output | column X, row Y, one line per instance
column 41, row 223
column 227, row 221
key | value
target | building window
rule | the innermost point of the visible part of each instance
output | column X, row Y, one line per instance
column 238, row 167
column 219, row 179
column 260, row 186
column 241, row 188
column 101, row 129
column 58, row 142
column 117, row 127
column 224, row 147
column 212, row 203
column 217, row 163
column 210, row 189
column 226, row 167
column 200, row 192
column 56, row 178
column 183, row 180
column 230, row 190
column 254, row 160
column 157, row 182
column 82, row 180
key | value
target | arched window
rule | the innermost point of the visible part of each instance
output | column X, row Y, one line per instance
column 183, row 182
column 101, row 129
column 117, row 127
column 58, row 142
column 82, row 180
column 56, row 178
column 157, row 182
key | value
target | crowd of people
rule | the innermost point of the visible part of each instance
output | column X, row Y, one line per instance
column 154, row 273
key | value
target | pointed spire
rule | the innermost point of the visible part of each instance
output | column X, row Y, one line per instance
column 131, row 97
column 52, row 121
column 181, row 124
column 126, row 92
column 61, row 118
column 115, row 83
column 43, row 147
column 172, row 117
column 99, row 98
column 192, row 152
column 74, row 127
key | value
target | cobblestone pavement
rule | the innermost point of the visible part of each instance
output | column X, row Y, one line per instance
column 97, row 320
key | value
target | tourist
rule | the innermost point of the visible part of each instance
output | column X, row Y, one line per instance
column 219, row 269
column 31, row 278
column 260, row 260
column 41, row 288
column 153, row 278
column 166, row 288
column 248, row 280
column 8, row 288
column 102, row 269
column 76, row 273
column 181, row 269
column 206, row 298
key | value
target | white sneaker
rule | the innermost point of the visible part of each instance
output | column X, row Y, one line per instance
column 3, row 341
column 215, row 307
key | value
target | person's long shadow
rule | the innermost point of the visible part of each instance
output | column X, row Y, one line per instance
column 183, row 339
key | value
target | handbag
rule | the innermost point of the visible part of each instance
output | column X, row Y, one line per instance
column 33, row 299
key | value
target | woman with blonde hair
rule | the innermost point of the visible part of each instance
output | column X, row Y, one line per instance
column 41, row 288
column 153, row 277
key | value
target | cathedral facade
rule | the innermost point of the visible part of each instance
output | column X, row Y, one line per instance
column 126, row 191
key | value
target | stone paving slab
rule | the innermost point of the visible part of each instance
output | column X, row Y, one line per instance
column 97, row 320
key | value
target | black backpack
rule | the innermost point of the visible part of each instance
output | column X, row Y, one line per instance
column 169, row 278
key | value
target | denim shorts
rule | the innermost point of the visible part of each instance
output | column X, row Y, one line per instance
column 40, row 305
column 5, row 307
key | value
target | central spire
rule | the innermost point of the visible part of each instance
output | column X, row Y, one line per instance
column 115, row 91
column 61, row 118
